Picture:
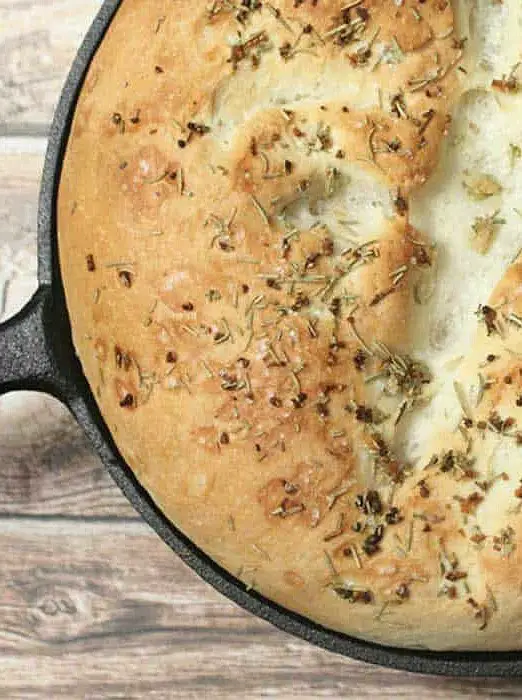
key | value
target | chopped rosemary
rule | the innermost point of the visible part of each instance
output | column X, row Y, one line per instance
column 483, row 231
column 223, row 336
column 482, row 187
column 277, row 14
column 341, row 490
column 515, row 154
column 463, row 400
column 351, row 326
column 338, row 531
column 514, row 319
column 509, row 83
column 238, row 52
column 260, row 209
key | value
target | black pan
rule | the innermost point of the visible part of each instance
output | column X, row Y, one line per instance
column 36, row 353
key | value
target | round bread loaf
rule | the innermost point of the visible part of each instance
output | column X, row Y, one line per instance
column 289, row 240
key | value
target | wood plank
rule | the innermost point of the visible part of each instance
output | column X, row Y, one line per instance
column 107, row 611
column 21, row 162
column 38, row 42
column 46, row 465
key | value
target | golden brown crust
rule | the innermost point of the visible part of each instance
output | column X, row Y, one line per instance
column 254, row 364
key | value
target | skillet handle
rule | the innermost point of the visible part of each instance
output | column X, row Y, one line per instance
column 26, row 359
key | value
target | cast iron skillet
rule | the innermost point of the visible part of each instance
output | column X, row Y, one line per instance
column 36, row 353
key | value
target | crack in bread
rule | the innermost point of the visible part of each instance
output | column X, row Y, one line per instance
column 288, row 236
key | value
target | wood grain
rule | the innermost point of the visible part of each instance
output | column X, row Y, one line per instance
column 38, row 41
column 48, row 468
column 107, row 612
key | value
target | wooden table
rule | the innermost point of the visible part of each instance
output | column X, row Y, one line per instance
column 92, row 604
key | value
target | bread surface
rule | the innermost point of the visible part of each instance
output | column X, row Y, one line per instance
column 289, row 236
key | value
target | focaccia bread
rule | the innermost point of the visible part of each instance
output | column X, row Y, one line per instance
column 289, row 237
